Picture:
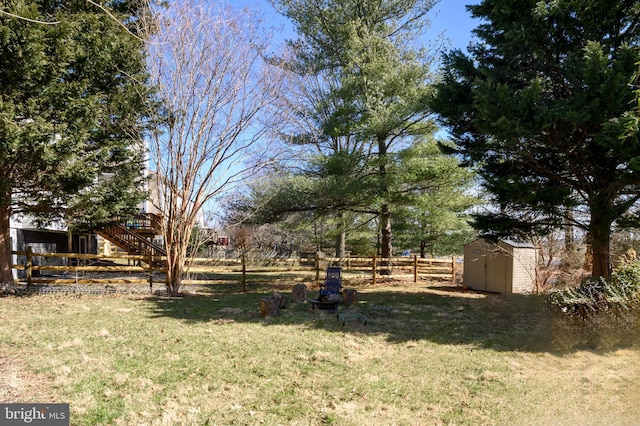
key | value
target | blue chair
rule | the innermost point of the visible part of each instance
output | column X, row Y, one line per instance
column 329, row 297
column 332, row 281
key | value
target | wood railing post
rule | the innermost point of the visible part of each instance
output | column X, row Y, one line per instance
column 374, row 269
column 29, row 265
column 244, row 272
column 150, row 263
column 317, row 259
column 415, row 268
column 453, row 268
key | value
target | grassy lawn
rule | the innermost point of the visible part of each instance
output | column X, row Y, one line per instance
column 430, row 354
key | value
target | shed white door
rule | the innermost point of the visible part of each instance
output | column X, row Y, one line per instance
column 496, row 268
column 475, row 266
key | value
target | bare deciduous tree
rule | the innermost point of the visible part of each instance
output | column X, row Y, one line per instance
column 207, row 62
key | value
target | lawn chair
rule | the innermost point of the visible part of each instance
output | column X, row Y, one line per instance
column 329, row 291
column 332, row 281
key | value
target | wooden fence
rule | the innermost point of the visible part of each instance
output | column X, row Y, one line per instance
column 73, row 268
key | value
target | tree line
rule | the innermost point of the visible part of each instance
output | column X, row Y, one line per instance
column 340, row 127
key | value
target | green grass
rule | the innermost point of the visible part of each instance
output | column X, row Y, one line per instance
column 436, row 355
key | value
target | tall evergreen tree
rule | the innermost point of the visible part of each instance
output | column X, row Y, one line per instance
column 369, row 48
column 432, row 197
column 332, row 161
column 72, row 99
column 537, row 105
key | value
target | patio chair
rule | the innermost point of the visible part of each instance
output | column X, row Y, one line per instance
column 329, row 297
column 332, row 282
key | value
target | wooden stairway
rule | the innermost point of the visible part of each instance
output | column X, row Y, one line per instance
column 134, row 235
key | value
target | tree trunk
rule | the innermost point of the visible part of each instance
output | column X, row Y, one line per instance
column 350, row 296
column 281, row 300
column 341, row 242
column 299, row 293
column 269, row 307
column 5, row 241
column 385, row 214
column 569, row 240
column 600, row 265
column 387, row 249
column 174, row 274
column 600, row 232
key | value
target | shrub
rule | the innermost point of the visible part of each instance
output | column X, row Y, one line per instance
column 598, row 313
column 626, row 282
column 595, row 294
column 590, row 296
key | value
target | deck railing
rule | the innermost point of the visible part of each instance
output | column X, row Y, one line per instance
column 144, row 223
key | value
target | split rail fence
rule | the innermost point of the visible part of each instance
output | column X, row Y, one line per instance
column 74, row 268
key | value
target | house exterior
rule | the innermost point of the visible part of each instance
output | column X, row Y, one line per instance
column 55, row 238
column 139, row 235
column 506, row 267
column 148, row 208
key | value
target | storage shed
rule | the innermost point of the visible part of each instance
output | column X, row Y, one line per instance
column 505, row 267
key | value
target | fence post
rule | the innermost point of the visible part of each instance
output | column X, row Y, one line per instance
column 29, row 265
column 374, row 269
column 150, row 263
column 415, row 268
column 244, row 272
column 317, row 270
column 453, row 268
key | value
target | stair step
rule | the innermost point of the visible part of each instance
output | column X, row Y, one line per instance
column 127, row 237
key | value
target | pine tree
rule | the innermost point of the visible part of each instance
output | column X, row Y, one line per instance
column 369, row 49
column 537, row 105
column 72, row 104
column 432, row 196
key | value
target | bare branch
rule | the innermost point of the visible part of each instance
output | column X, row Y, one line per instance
column 24, row 18
column 207, row 62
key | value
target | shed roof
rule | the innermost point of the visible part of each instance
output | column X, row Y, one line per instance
column 512, row 243
column 518, row 244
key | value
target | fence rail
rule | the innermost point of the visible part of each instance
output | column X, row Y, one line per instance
column 56, row 268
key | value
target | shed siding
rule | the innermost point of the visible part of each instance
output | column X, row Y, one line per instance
column 525, row 267
column 503, row 268
column 474, row 268
column 497, row 270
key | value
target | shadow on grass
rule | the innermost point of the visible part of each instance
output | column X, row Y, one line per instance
column 442, row 314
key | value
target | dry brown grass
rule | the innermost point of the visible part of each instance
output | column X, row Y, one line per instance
column 438, row 355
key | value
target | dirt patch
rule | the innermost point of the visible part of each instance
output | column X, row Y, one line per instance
column 19, row 384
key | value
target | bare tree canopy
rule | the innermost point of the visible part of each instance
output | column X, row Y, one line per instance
column 207, row 62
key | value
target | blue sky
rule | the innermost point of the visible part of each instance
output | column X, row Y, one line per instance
column 448, row 16
column 452, row 17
